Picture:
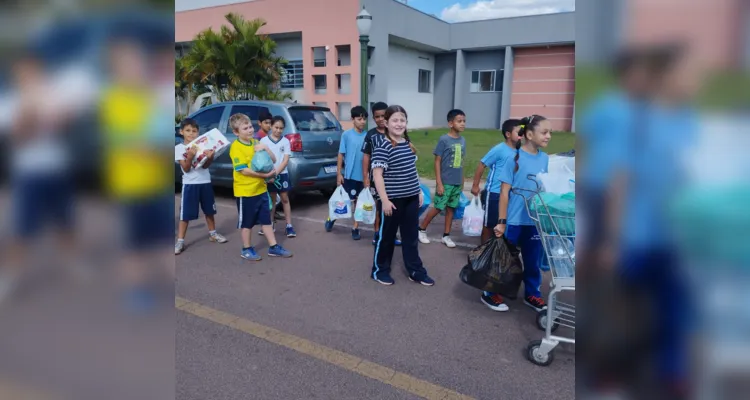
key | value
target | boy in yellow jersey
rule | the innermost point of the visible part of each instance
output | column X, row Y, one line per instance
column 137, row 171
column 253, row 203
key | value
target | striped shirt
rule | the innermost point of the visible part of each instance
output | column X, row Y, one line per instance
column 399, row 167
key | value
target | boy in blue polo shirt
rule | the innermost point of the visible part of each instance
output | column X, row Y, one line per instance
column 349, row 168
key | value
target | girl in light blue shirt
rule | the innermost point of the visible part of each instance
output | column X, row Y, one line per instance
column 513, row 219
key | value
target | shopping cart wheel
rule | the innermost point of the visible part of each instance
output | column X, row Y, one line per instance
column 541, row 321
column 536, row 356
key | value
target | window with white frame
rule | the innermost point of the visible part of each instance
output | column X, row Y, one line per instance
column 292, row 75
column 490, row 80
column 425, row 81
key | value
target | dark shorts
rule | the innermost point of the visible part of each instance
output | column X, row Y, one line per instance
column 254, row 211
column 149, row 223
column 353, row 188
column 283, row 182
column 491, row 209
column 194, row 197
column 40, row 200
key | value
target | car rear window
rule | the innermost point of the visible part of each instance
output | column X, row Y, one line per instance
column 314, row 119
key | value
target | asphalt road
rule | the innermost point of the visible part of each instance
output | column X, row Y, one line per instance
column 316, row 327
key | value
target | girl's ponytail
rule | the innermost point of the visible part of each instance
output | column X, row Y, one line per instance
column 411, row 145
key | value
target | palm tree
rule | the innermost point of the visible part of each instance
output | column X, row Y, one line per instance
column 236, row 63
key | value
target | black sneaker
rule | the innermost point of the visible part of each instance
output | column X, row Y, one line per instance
column 383, row 279
column 422, row 280
column 494, row 302
column 537, row 303
column 356, row 235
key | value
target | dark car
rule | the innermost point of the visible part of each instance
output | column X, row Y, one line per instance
column 313, row 131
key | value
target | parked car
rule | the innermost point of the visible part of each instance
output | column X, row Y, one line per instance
column 313, row 131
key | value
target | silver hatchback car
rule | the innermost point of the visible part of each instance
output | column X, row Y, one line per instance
column 313, row 131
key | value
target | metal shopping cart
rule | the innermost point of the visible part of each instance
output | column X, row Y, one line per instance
column 557, row 233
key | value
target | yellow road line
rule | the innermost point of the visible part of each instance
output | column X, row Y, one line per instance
column 338, row 358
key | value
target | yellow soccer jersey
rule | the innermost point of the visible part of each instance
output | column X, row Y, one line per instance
column 242, row 155
column 134, row 168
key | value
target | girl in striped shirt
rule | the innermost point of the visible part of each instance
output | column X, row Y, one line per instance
column 394, row 170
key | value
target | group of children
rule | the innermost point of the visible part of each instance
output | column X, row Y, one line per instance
column 252, row 190
column 384, row 160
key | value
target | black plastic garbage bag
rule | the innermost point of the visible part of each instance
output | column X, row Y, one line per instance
column 494, row 266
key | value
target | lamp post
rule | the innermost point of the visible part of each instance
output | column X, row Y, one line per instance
column 364, row 21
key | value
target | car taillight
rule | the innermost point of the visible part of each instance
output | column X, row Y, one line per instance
column 295, row 139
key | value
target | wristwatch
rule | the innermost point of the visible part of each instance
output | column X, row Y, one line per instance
column 502, row 221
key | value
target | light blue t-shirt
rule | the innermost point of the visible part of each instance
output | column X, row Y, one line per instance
column 351, row 147
column 655, row 174
column 528, row 164
column 607, row 126
column 494, row 160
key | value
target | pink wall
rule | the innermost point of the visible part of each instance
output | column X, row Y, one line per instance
column 544, row 84
column 322, row 23
column 713, row 28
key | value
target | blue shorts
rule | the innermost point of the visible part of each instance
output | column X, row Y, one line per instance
column 254, row 211
column 196, row 196
column 353, row 188
column 149, row 223
column 40, row 200
column 491, row 209
column 283, row 181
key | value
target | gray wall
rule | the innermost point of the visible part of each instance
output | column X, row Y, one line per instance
column 289, row 48
column 445, row 75
column 598, row 31
column 397, row 19
column 483, row 109
column 519, row 31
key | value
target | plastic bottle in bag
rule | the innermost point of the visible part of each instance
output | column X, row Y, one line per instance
column 558, row 257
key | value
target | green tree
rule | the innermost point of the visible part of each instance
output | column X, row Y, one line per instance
column 236, row 63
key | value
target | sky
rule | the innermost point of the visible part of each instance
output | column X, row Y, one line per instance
column 472, row 10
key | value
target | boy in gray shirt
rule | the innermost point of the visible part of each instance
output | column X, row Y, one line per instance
column 449, row 172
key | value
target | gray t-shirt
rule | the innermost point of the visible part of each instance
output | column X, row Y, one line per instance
column 451, row 152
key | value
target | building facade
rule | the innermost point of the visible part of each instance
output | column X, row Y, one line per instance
column 492, row 69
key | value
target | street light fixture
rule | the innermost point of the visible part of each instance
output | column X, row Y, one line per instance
column 364, row 22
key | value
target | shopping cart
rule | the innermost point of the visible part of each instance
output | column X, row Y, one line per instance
column 557, row 233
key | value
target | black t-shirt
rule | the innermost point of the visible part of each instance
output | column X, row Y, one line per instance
column 367, row 145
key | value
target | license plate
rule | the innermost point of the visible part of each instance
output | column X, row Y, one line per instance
column 329, row 169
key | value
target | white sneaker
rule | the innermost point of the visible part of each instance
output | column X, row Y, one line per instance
column 179, row 247
column 217, row 238
column 423, row 237
column 448, row 242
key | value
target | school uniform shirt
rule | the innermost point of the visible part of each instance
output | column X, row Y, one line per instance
column 533, row 164
column 451, row 152
column 351, row 147
column 193, row 176
column 242, row 156
column 607, row 127
column 399, row 167
column 280, row 149
column 494, row 160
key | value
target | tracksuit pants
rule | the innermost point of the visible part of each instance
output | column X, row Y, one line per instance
column 406, row 218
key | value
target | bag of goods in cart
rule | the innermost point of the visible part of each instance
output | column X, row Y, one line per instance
column 560, row 208
column 559, row 178
column 494, row 266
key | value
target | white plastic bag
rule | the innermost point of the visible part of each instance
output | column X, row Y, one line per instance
column 365, row 211
column 473, row 221
column 339, row 206
column 558, row 180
